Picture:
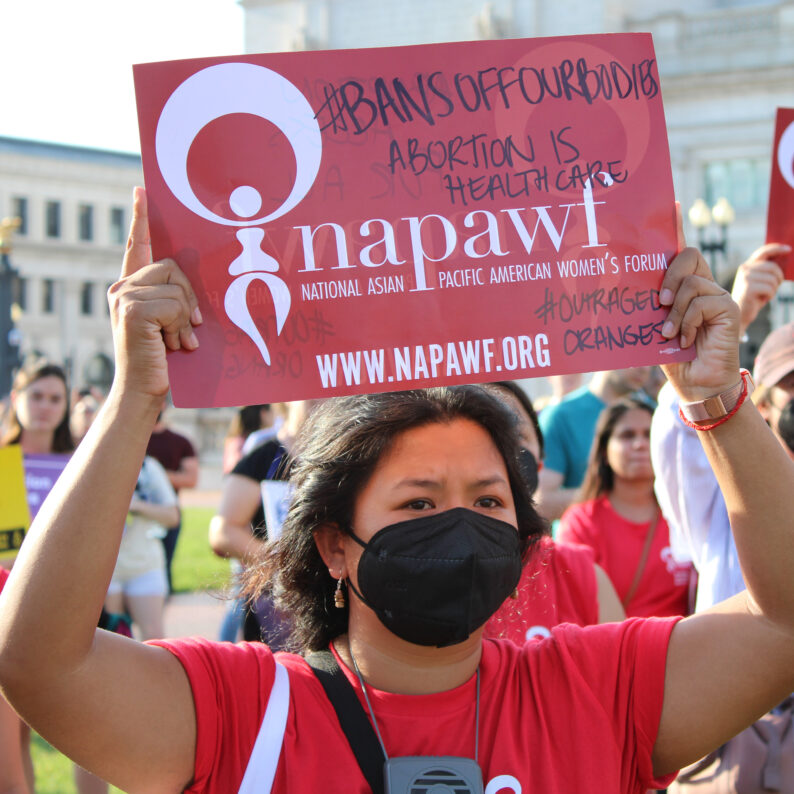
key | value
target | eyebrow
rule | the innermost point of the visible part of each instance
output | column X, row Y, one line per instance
column 496, row 479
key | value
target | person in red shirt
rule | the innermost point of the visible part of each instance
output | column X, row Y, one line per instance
column 560, row 582
column 411, row 505
column 619, row 519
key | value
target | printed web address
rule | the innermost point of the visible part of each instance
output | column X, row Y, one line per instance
column 422, row 362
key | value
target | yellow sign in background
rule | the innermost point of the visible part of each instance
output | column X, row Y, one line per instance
column 14, row 513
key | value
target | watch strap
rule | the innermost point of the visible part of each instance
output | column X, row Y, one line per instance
column 718, row 405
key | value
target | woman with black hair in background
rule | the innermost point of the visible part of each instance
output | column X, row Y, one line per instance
column 617, row 516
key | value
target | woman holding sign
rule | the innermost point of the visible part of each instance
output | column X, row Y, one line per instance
column 385, row 487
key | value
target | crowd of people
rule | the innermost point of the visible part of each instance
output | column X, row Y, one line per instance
column 544, row 600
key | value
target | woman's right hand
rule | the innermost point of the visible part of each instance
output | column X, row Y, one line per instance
column 153, row 309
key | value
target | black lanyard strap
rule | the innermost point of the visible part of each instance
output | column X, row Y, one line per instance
column 352, row 718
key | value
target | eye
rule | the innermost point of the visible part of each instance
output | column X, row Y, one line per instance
column 488, row 502
column 418, row 504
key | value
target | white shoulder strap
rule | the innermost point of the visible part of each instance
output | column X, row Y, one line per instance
column 262, row 763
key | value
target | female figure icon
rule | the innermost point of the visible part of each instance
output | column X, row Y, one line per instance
column 210, row 94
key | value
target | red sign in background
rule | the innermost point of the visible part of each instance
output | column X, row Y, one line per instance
column 780, row 215
column 367, row 220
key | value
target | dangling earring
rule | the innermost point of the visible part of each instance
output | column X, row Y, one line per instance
column 339, row 595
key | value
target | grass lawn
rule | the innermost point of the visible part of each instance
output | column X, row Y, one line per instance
column 53, row 770
column 195, row 567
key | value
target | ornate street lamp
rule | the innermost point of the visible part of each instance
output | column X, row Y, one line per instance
column 701, row 217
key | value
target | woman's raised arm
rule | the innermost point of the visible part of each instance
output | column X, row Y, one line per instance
column 728, row 666
column 119, row 708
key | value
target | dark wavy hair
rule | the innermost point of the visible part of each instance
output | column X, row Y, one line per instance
column 599, row 477
column 335, row 454
column 247, row 420
column 525, row 403
column 62, row 440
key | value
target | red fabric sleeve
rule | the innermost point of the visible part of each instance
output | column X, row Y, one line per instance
column 3, row 578
column 624, row 667
column 228, row 715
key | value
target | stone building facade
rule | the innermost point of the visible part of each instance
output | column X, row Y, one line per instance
column 725, row 66
column 74, row 208
column 74, row 205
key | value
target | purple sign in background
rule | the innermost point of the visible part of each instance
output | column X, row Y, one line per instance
column 41, row 472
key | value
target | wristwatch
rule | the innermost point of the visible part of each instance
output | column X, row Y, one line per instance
column 718, row 405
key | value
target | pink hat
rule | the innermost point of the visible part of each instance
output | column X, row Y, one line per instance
column 775, row 357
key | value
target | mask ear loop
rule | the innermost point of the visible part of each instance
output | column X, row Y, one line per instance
column 349, row 581
column 354, row 589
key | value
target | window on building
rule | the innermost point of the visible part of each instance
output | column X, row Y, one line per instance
column 117, row 225
column 53, row 218
column 87, row 299
column 21, row 293
column 48, row 296
column 19, row 209
column 85, row 220
column 744, row 182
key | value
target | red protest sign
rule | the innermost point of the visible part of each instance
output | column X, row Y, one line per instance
column 780, row 214
column 365, row 220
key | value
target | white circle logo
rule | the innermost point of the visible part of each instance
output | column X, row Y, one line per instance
column 785, row 154
column 218, row 91
column 537, row 632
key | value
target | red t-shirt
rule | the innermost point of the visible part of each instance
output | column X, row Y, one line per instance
column 558, row 585
column 564, row 714
column 3, row 577
column 617, row 545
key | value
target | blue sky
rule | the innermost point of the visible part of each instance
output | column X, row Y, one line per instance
column 66, row 66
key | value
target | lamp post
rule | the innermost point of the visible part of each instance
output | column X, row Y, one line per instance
column 701, row 217
column 9, row 335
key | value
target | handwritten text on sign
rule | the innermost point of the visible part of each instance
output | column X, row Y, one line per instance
column 364, row 220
